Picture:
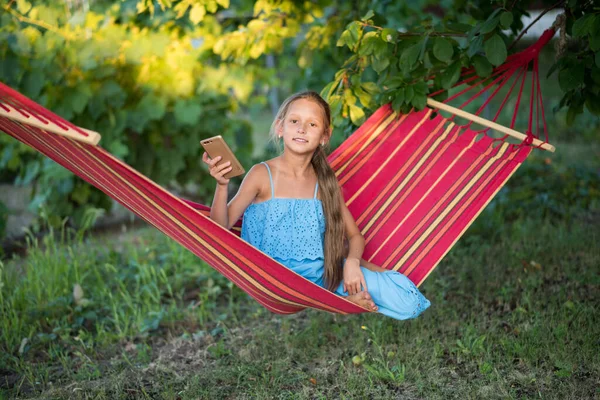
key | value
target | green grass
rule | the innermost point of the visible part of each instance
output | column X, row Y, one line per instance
column 515, row 317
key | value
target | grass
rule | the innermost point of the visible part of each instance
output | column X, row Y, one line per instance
column 512, row 317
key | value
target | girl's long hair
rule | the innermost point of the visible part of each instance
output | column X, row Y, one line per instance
column 330, row 192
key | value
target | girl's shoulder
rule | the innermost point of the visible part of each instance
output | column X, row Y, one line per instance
column 257, row 180
column 259, row 170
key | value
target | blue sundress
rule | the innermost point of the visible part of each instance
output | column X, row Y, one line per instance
column 292, row 230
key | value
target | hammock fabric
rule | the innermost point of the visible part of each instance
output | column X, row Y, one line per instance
column 413, row 182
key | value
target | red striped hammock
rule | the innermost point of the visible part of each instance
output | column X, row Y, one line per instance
column 413, row 182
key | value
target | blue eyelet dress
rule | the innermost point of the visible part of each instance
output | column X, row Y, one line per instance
column 292, row 231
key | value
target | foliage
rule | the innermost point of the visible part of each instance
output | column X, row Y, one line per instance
column 542, row 189
column 153, row 93
column 388, row 52
column 156, row 76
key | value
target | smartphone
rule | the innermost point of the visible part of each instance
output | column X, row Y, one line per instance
column 215, row 147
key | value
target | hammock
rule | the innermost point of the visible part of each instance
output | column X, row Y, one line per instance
column 413, row 182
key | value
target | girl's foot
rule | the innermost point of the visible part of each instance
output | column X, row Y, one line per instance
column 363, row 299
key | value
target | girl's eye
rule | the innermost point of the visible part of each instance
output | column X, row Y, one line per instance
column 294, row 121
column 313, row 124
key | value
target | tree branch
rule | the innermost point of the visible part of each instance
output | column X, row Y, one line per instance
column 524, row 31
column 31, row 21
column 364, row 24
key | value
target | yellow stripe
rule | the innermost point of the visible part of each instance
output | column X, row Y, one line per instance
column 460, row 210
column 369, row 140
column 449, row 208
column 467, row 226
column 408, row 179
column 408, row 214
column 384, row 164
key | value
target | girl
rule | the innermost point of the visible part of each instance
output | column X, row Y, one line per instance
column 294, row 211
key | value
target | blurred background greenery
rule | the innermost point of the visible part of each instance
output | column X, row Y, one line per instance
column 156, row 77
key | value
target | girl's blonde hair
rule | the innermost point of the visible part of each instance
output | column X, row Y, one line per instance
column 330, row 192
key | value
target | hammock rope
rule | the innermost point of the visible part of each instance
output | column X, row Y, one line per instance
column 414, row 183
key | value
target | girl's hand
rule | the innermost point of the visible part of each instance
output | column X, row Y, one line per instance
column 217, row 171
column 353, row 277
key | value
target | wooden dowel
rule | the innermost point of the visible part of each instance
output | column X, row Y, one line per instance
column 92, row 138
column 486, row 122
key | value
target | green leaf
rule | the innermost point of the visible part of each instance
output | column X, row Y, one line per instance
column 592, row 102
column 33, row 83
column 483, row 68
column 118, row 149
column 419, row 101
column 380, row 47
column 326, row 92
column 450, row 76
column 389, row 35
column 367, row 44
column 355, row 30
column 495, row 50
column 152, row 107
column 554, row 67
column 379, row 64
column 443, row 50
column 427, row 61
column 597, row 59
column 81, row 194
column 458, row 27
column 506, row 19
column 365, row 98
column 409, row 93
column 398, row 100
column 349, row 97
column 186, row 112
column 583, row 25
column 345, row 39
column 571, row 114
column 370, row 87
column 475, row 46
column 571, row 77
column 489, row 25
column 596, row 74
column 393, row 83
column 223, row 3
column 357, row 115
column 409, row 57
column 368, row 15
column 78, row 97
column 336, row 104
column 421, row 87
column 595, row 40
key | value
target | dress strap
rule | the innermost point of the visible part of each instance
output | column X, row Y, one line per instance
column 271, row 180
column 316, row 189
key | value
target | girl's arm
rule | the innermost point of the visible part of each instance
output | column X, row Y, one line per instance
column 353, row 276
column 225, row 214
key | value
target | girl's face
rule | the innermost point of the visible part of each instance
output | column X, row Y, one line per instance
column 303, row 128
